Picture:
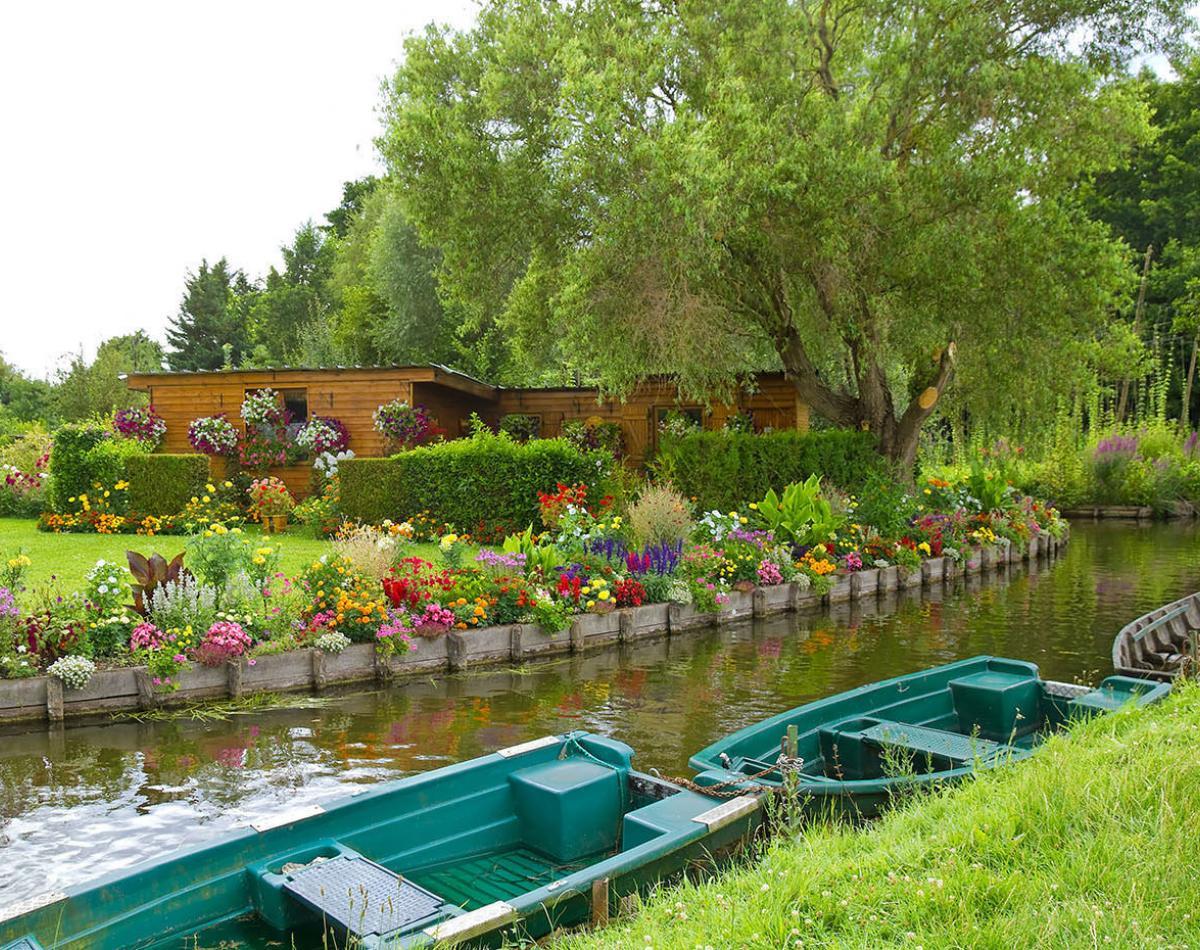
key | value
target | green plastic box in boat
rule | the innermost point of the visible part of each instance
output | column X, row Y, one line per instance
column 854, row 751
column 538, row 836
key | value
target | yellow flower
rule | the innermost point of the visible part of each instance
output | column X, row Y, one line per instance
column 754, row 506
column 227, row 484
column 206, row 499
column 263, row 551
column 603, row 595
column 195, row 500
column 591, row 603
column 210, row 488
column 259, row 559
column 121, row 485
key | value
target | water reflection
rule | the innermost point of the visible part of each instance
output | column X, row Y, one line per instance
column 87, row 800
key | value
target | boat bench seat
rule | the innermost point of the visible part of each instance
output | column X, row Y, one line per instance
column 998, row 704
column 923, row 740
column 662, row 817
column 1116, row 691
column 569, row 808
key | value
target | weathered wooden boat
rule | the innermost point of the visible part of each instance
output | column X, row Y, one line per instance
column 1161, row 644
column 853, row 752
column 524, row 840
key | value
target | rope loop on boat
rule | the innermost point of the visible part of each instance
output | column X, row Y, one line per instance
column 785, row 765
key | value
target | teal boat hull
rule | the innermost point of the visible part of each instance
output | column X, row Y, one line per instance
column 862, row 748
column 525, row 840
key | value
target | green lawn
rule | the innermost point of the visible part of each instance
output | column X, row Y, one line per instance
column 1086, row 844
column 70, row 556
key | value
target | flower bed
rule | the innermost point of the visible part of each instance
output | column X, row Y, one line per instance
column 598, row 571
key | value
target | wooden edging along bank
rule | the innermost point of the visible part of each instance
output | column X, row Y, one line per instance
column 1181, row 509
column 44, row 698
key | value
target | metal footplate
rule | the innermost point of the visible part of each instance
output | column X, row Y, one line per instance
column 364, row 899
column 23, row 943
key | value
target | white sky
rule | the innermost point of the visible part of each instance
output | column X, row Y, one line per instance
column 137, row 138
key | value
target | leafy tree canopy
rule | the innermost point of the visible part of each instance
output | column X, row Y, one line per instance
column 873, row 195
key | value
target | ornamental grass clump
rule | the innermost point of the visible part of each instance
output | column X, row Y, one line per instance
column 373, row 551
column 660, row 515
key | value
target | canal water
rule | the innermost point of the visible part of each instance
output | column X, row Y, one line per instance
column 83, row 801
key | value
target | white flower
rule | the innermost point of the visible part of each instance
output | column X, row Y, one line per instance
column 103, row 589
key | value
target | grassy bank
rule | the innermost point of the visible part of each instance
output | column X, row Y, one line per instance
column 1092, row 842
column 70, row 556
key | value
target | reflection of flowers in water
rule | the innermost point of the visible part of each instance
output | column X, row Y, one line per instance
column 232, row 757
column 771, row 648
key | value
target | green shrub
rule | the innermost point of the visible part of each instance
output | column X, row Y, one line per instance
column 87, row 455
column 164, row 484
column 724, row 469
column 486, row 485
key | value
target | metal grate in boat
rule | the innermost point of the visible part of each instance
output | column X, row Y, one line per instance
column 361, row 897
column 923, row 739
column 1064, row 690
column 22, row 943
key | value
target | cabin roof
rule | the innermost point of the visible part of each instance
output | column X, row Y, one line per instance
column 424, row 372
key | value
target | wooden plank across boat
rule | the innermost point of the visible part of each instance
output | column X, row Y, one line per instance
column 1161, row 644
column 854, row 752
column 530, row 838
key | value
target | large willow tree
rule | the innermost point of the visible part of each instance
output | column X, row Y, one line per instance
column 875, row 195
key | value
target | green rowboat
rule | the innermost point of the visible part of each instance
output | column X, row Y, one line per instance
column 851, row 753
column 531, row 838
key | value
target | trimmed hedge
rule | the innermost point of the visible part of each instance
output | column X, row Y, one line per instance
column 86, row 454
column 726, row 469
column 164, row 484
column 486, row 485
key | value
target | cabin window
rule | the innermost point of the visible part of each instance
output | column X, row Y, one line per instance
column 679, row 414
column 295, row 401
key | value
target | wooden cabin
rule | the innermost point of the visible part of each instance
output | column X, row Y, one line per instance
column 352, row 394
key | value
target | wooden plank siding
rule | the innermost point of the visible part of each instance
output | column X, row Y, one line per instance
column 773, row 405
column 352, row 394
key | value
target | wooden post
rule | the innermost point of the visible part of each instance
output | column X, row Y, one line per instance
column 54, row 699
column 456, row 651
column 319, row 676
column 758, row 602
column 233, row 678
column 516, row 647
column 147, row 698
column 625, row 626
column 600, row 902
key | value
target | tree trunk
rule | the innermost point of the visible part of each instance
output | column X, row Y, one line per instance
column 1123, row 399
column 1185, row 409
column 872, row 407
